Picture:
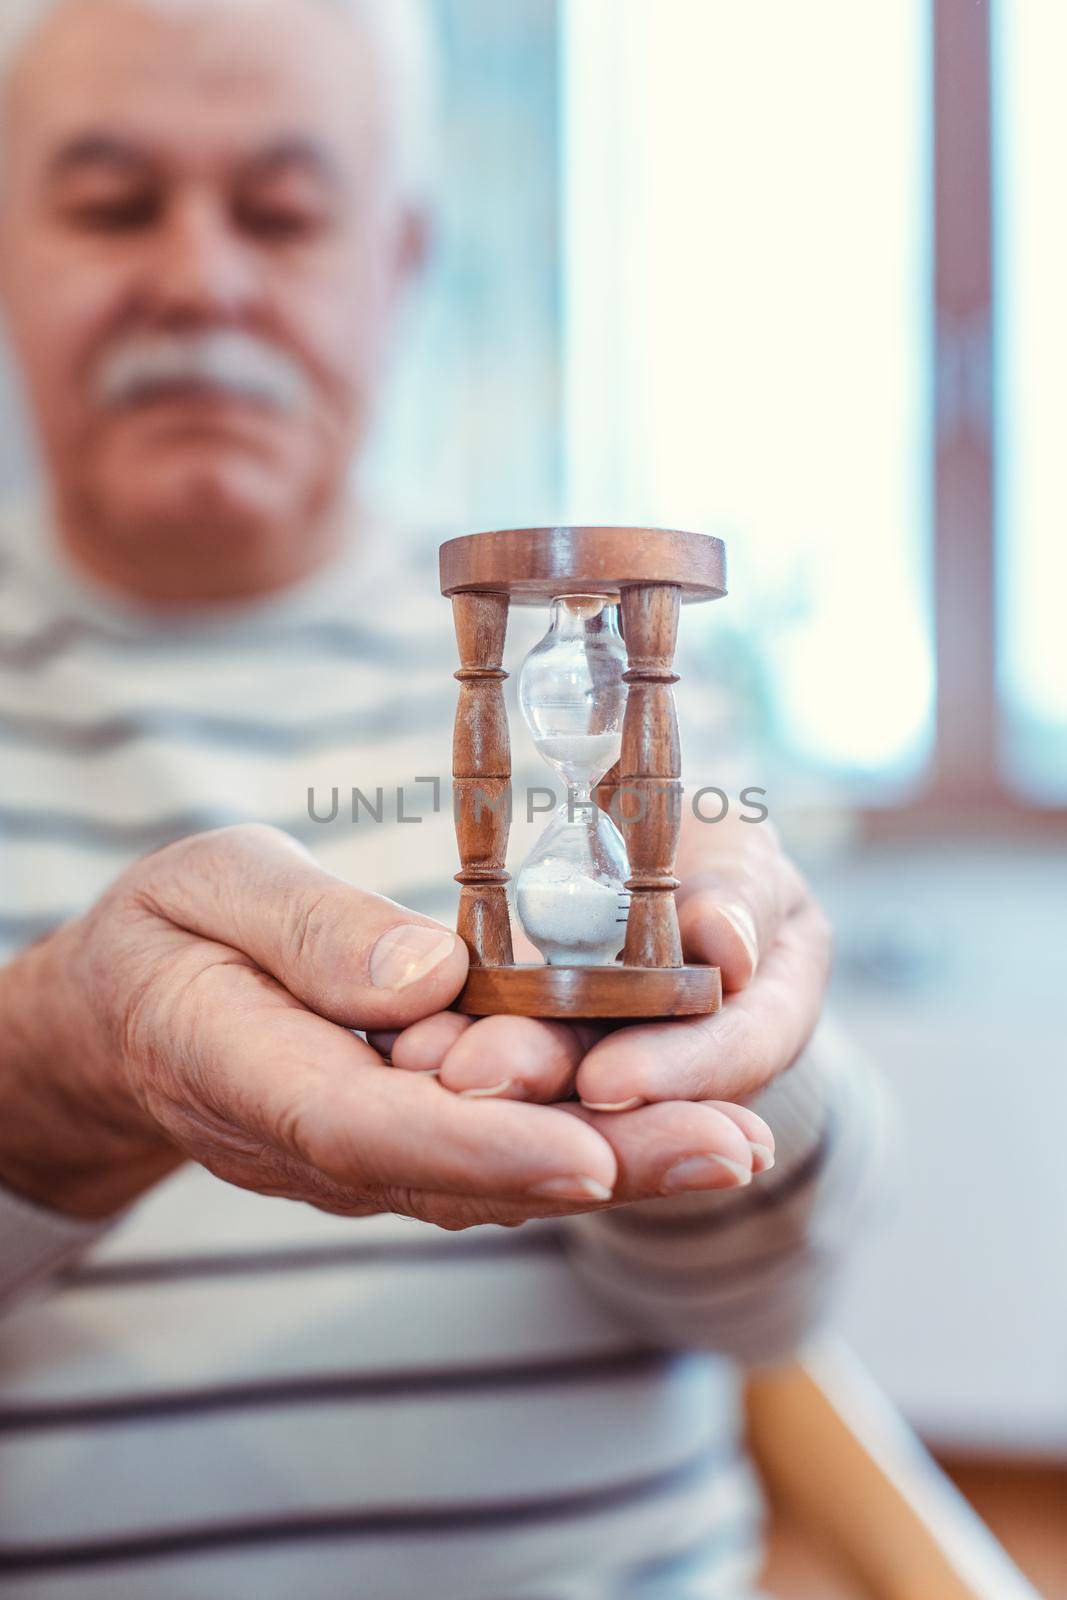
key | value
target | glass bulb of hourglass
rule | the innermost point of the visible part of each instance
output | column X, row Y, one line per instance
column 571, row 889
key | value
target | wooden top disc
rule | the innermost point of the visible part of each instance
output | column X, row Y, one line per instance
column 534, row 565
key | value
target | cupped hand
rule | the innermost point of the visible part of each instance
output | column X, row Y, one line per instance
column 743, row 907
column 206, row 1007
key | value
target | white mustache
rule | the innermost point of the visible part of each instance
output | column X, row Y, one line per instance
column 230, row 360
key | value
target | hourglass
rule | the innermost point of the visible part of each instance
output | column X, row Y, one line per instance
column 596, row 894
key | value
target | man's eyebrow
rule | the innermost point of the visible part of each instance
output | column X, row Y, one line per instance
column 294, row 153
column 98, row 149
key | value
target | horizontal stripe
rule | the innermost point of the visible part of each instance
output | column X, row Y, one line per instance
column 43, row 826
column 395, row 1522
column 256, row 1327
column 401, row 789
column 80, row 832
column 715, row 1280
column 280, row 694
column 546, row 1239
column 583, row 1559
column 703, row 1560
column 28, row 652
column 747, row 1317
column 376, row 724
column 436, row 900
column 180, row 1469
column 15, row 932
column 716, row 1293
column 61, row 636
column 357, row 781
column 362, row 1386
column 385, row 862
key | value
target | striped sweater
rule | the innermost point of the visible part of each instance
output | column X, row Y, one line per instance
column 222, row 1394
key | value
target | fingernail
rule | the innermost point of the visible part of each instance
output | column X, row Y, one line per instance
column 573, row 1188
column 762, row 1157
column 616, row 1105
column 705, row 1172
column 407, row 953
column 484, row 1094
column 743, row 923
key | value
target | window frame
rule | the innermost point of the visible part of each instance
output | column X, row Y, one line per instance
column 965, row 789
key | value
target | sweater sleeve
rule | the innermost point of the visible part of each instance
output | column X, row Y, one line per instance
column 36, row 1243
column 752, row 1272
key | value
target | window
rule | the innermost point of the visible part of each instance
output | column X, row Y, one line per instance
column 471, row 434
column 748, row 261
column 731, row 266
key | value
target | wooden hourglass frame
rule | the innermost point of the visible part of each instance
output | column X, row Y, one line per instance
column 649, row 572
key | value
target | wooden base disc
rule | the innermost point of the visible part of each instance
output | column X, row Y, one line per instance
column 607, row 993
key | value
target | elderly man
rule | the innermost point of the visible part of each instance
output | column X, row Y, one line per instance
column 209, row 211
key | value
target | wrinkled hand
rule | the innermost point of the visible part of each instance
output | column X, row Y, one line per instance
column 743, row 907
column 204, row 1008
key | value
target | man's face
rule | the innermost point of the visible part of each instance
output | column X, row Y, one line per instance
column 200, row 245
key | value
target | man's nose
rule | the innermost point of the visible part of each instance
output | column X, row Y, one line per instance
column 203, row 269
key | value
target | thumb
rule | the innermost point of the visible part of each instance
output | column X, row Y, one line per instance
column 731, row 910
column 353, row 957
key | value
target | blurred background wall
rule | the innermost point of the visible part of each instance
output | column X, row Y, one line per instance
column 794, row 275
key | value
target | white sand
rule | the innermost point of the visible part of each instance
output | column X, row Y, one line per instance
column 582, row 757
column 574, row 922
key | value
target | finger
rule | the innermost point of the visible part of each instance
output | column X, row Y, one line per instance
column 661, row 1150
column 286, row 1078
column 758, row 1134
column 676, row 1148
column 520, row 1058
column 731, row 910
column 356, row 958
column 758, row 1033
column 668, row 1149
column 423, row 1046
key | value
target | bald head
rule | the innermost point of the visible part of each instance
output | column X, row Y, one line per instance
column 209, row 188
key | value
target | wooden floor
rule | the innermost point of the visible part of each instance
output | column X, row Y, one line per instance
column 1026, row 1507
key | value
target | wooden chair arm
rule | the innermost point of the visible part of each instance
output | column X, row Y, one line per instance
column 841, row 1462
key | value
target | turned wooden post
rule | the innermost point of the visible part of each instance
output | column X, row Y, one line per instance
column 481, row 771
column 650, row 769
